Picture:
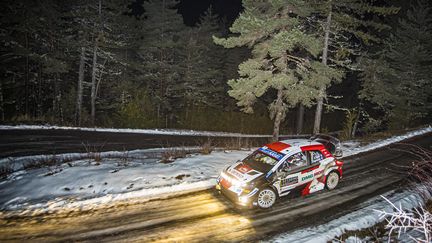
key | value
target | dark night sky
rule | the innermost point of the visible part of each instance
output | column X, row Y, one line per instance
column 192, row 9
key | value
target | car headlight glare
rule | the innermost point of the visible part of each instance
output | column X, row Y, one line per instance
column 232, row 180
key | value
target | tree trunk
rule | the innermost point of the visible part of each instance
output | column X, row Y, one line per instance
column 2, row 113
column 300, row 119
column 318, row 113
column 354, row 129
column 278, row 116
column 80, row 87
column 93, row 86
column 94, row 69
column 40, row 98
column 27, row 77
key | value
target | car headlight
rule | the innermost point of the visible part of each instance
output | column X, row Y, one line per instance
column 232, row 180
column 238, row 183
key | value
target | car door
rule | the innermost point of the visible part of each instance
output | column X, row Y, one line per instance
column 289, row 173
column 316, row 172
column 315, row 158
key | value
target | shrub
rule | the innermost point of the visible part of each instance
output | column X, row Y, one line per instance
column 170, row 155
column 44, row 161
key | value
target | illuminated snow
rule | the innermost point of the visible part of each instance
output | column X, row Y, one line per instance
column 82, row 183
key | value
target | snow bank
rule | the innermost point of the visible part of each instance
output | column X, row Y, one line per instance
column 350, row 147
column 129, row 130
column 87, row 183
column 363, row 217
column 17, row 163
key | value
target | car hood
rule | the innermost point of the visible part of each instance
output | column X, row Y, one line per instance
column 243, row 172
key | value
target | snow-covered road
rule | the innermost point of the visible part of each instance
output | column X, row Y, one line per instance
column 177, row 217
column 205, row 215
column 126, row 175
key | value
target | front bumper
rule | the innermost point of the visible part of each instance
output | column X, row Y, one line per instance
column 244, row 200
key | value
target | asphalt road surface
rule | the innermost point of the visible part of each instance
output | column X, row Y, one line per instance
column 206, row 216
column 55, row 141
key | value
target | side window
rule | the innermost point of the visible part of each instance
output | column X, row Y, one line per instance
column 297, row 160
column 316, row 156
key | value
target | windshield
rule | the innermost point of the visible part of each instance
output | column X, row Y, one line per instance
column 260, row 161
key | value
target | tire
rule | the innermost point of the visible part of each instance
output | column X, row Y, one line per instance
column 332, row 180
column 266, row 198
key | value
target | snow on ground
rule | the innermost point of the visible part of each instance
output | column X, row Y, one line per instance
column 113, row 179
column 364, row 216
column 18, row 163
column 129, row 130
column 352, row 148
column 83, row 183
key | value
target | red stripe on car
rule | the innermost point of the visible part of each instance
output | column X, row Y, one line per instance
column 312, row 147
column 306, row 190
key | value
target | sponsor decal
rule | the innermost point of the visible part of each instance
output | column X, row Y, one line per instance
column 307, row 177
column 243, row 168
column 271, row 153
column 289, row 181
column 318, row 173
column 236, row 173
column 236, row 190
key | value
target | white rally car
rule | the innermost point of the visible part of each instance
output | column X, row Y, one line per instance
column 289, row 167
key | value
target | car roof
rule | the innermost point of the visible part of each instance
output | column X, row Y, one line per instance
column 286, row 146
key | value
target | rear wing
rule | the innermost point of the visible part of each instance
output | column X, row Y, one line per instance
column 332, row 144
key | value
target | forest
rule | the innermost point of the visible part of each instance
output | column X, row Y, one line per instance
column 276, row 66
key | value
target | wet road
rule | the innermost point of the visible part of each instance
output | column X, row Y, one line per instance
column 42, row 141
column 206, row 216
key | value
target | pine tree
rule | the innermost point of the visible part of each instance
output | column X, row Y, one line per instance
column 33, row 56
column 101, row 40
column 203, row 61
column 163, row 37
column 343, row 21
column 398, row 80
column 283, row 58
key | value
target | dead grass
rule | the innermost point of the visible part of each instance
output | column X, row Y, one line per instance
column 237, row 144
column 124, row 159
column 94, row 152
column 45, row 161
column 206, row 147
column 170, row 155
column 375, row 233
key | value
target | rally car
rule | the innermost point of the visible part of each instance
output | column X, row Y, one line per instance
column 289, row 167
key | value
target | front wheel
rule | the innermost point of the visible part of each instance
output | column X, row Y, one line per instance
column 266, row 198
column 332, row 180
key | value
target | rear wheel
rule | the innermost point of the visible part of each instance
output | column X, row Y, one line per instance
column 332, row 180
column 266, row 198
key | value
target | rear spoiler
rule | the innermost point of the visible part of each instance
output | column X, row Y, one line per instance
column 332, row 144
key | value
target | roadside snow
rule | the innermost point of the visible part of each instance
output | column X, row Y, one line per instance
column 18, row 163
column 363, row 217
column 129, row 130
column 87, row 182
column 350, row 148
column 120, row 175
